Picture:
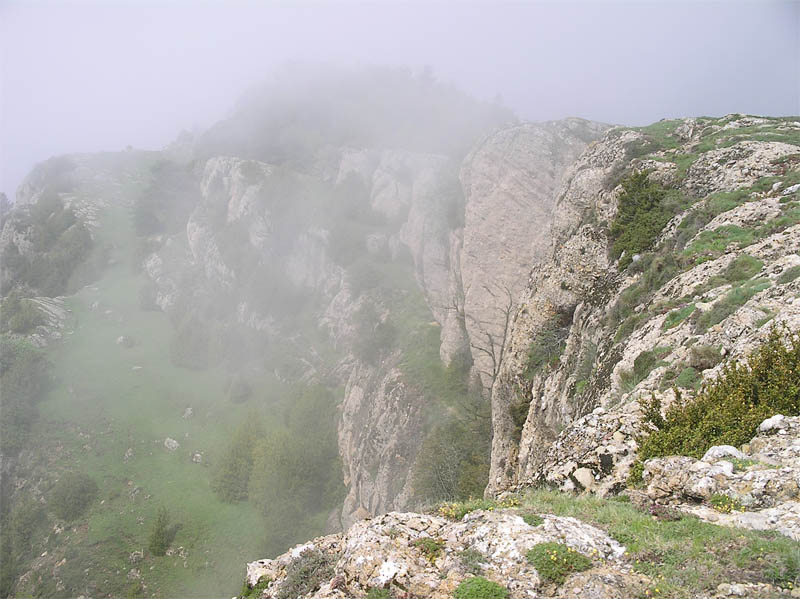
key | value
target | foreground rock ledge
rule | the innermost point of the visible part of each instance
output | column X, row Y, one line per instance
column 381, row 552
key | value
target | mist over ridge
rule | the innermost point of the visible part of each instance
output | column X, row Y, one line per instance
column 139, row 73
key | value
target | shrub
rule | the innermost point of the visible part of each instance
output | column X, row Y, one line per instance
column 676, row 317
column 742, row 268
column 643, row 365
column 306, row 574
column 479, row 587
column 532, row 519
column 18, row 314
column 643, row 211
column 688, row 378
column 159, row 536
column 376, row 593
column 430, row 548
column 255, row 590
column 555, row 561
column 232, row 474
column 703, row 357
column 730, row 408
column 72, row 495
column 471, row 560
column 789, row 275
column 733, row 300
column 548, row 344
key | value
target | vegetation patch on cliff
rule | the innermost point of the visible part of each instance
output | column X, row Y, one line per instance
column 730, row 408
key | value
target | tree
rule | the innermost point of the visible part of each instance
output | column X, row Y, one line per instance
column 159, row 537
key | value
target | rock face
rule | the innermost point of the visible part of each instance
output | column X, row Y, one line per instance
column 446, row 216
column 421, row 555
column 762, row 482
column 671, row 312
column 510, row 182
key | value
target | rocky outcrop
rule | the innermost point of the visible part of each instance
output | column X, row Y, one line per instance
column 510, row 181
column 604, row 318
column 422, row 556
column 757, row 487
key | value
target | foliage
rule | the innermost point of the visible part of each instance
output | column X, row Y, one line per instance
column 232, row 474
column 789, row 275
column 676, row 317
column 479, row 587
column 644, row 209
column 430, row 548
column 453, row 460
column 687, row 555
column 548, row 344
column 732, row 301
column 24, row 379
column 296, row 472
column 471, row 560
column 703, row 357
column 643, row 365
column 456, row 510
column 159, row 540
column 376, row 593
column 255, row 590
column 729, row 409
column 555, row 561
column 532, row 519
column 306, row 574
column 18, row 314
column 725, row 504
column 72, row 495
column 374, row 337
column 59, row 243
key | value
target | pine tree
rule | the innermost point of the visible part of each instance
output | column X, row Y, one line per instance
column 159, row 538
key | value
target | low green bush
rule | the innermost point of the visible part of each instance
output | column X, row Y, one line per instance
column 375, row 593
column 532, row 519
column 306, row 574
column 703, row 357
column 471, row 560
column 644, row 209
column 555, row 561
column 643, row 365
column 255, row 590
column 789, row 275
column 676, row 317
column 72, row 495
column 479, row 587
column 730, row 408
column 430, row 548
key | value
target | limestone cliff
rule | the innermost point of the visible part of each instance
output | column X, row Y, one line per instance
column 624, row 333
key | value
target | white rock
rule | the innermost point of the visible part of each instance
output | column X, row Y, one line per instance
column 774, row 423
column 171, row 444
column 718, row 452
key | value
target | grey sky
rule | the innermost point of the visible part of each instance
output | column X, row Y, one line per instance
column 90, row 75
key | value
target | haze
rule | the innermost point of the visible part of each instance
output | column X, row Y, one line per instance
column 87, row 76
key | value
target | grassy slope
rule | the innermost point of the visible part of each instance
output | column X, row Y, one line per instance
column 99, row 407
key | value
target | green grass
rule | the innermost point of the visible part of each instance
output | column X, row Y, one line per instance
column 676, row 317
column 732, row 301
column 687, row 557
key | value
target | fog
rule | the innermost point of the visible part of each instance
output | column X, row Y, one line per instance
column 88, row 76
column 268, row 262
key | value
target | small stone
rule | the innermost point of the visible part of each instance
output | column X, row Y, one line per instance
column 171, row 444
column 774, row 423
